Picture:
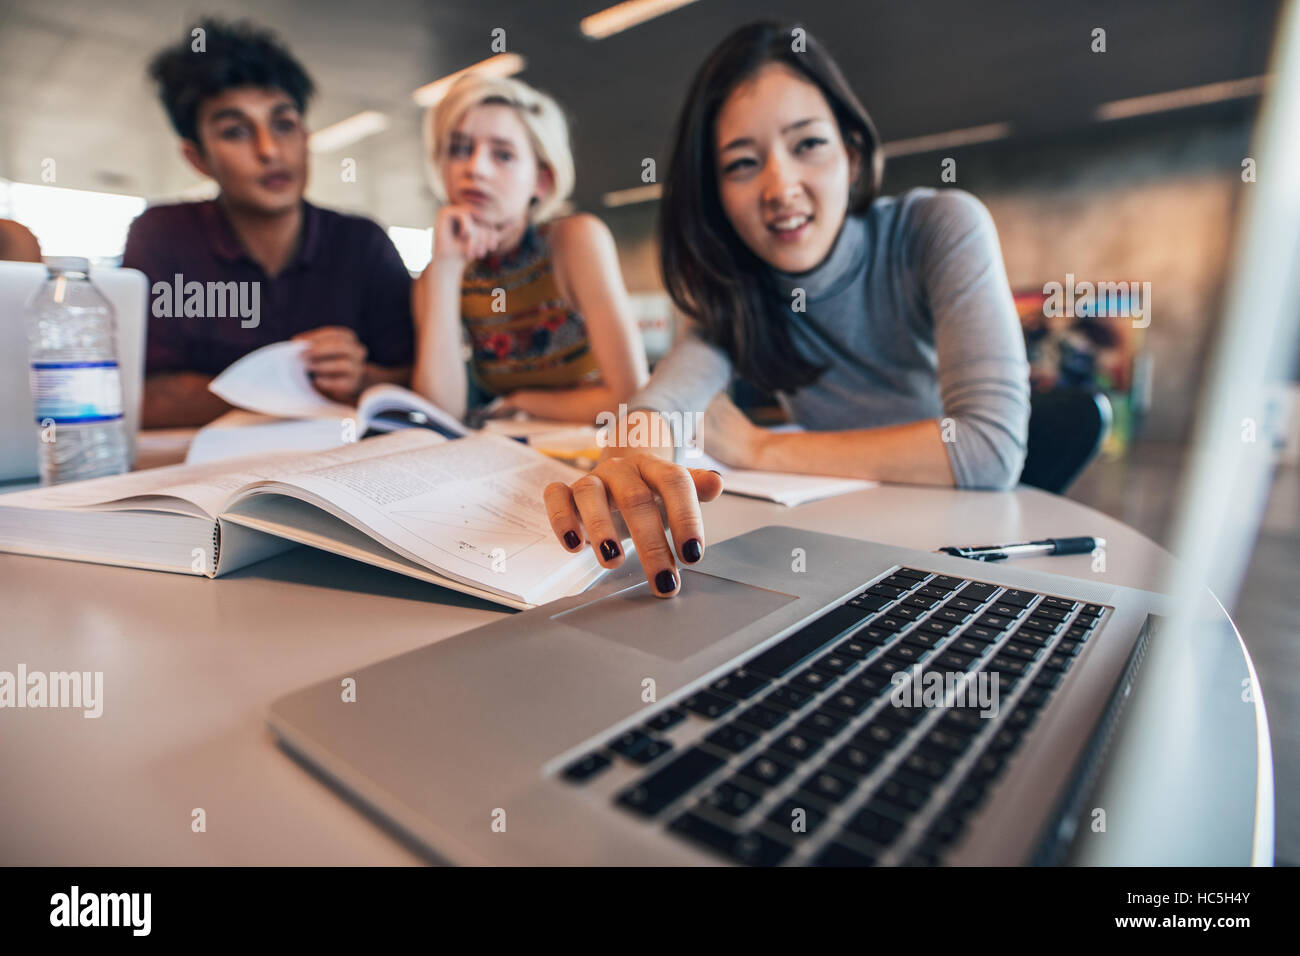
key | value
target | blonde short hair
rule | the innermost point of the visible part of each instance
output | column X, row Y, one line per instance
column 548, row 131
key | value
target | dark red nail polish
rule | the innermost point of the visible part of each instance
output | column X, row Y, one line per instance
column 666, row 582
column 571, row 539
column 691, row 550
column 609, row 549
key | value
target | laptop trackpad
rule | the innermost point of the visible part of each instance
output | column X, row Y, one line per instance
column 707, row 609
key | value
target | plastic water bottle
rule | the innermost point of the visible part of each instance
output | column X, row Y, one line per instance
column 76, row 387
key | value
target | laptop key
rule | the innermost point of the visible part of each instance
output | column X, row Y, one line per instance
column 1002, row 662
column 837, row 854
column 732, row 799
column 761, row 717
column 954, row 615
column 1093, row 609
column 766, row 769
column 900, row 582
column 629, row 743
column 834, row 663
column 856, row 760
column 811, row 680
column 752, row 849
column 665, row 785
column 867, row 602
column 788, row 654
column 822, row 723
column 885, row 591
column 1061, row 604
column 740, row 684
column 586, row 767
column 962, row 604
column 986, row 635
column 1050, row 613
column 828, row 786
column 1023, row 651
column 854, row 648
column 1018, row 598
column 966, row 645
column 978, row 591
column 1009, row 611
column 798, row 745
column 665, row 719
column 947, row 581
column 994, row 622
column 921, row 602
column 848, row 702
column 1040, row 625
column 875, row 826
column 912, row 573
column 930, row 590
column 732, row 737
column 708, row 704
column 791, row 698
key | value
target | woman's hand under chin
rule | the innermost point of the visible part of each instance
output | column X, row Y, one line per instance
column 729, row 436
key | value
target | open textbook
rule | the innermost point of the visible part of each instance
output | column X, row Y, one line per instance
column 465, row 514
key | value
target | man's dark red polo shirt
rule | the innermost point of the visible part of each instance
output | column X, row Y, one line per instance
column 346, row 272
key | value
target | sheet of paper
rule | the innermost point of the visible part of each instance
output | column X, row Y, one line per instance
column 782, row 487
column 273, row 380
column 239, row 433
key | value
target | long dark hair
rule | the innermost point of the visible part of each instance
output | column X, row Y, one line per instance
column 711, row 275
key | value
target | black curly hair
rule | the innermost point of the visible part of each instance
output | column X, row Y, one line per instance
column 232, row 55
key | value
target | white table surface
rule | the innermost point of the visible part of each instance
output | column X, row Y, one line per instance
column 190, row 666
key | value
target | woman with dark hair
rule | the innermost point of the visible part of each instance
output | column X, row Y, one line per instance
column 884, row 325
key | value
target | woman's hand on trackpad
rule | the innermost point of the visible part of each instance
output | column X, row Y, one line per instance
column 631, row 484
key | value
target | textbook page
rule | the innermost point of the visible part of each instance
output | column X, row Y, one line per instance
column 472, row 509
column 273, row 380
column 199, row 489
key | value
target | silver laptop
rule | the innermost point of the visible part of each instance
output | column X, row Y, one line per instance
column 759, row 717
column 127, row 292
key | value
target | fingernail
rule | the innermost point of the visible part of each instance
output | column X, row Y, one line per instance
column 571, row 539
column 666, row 582
column 716, row 472
column 691, row 550
column 609, row 549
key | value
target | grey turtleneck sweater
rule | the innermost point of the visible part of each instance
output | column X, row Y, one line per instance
column 912, row 314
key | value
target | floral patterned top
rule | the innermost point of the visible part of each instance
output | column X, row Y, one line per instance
column 522, row 332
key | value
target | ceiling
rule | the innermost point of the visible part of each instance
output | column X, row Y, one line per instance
column 73, row 86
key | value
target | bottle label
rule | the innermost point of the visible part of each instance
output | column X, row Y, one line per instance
column 76, row 392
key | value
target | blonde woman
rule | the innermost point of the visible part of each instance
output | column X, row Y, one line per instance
column 540, row 295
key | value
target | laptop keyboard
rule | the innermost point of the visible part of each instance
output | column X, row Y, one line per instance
column 814, row 753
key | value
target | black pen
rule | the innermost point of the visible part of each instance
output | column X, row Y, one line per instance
column 1028, row 549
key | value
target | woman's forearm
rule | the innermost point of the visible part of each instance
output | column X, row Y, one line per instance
column 580, row 404
column 914, row 453
column 439, row 371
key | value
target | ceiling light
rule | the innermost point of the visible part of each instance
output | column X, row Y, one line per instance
column 503, row 64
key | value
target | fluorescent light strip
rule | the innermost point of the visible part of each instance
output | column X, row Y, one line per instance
column 949, row 140
column 1181, row 99
column 625, row 16
column 503, row 64
column 348, row 131
column 628, row 197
